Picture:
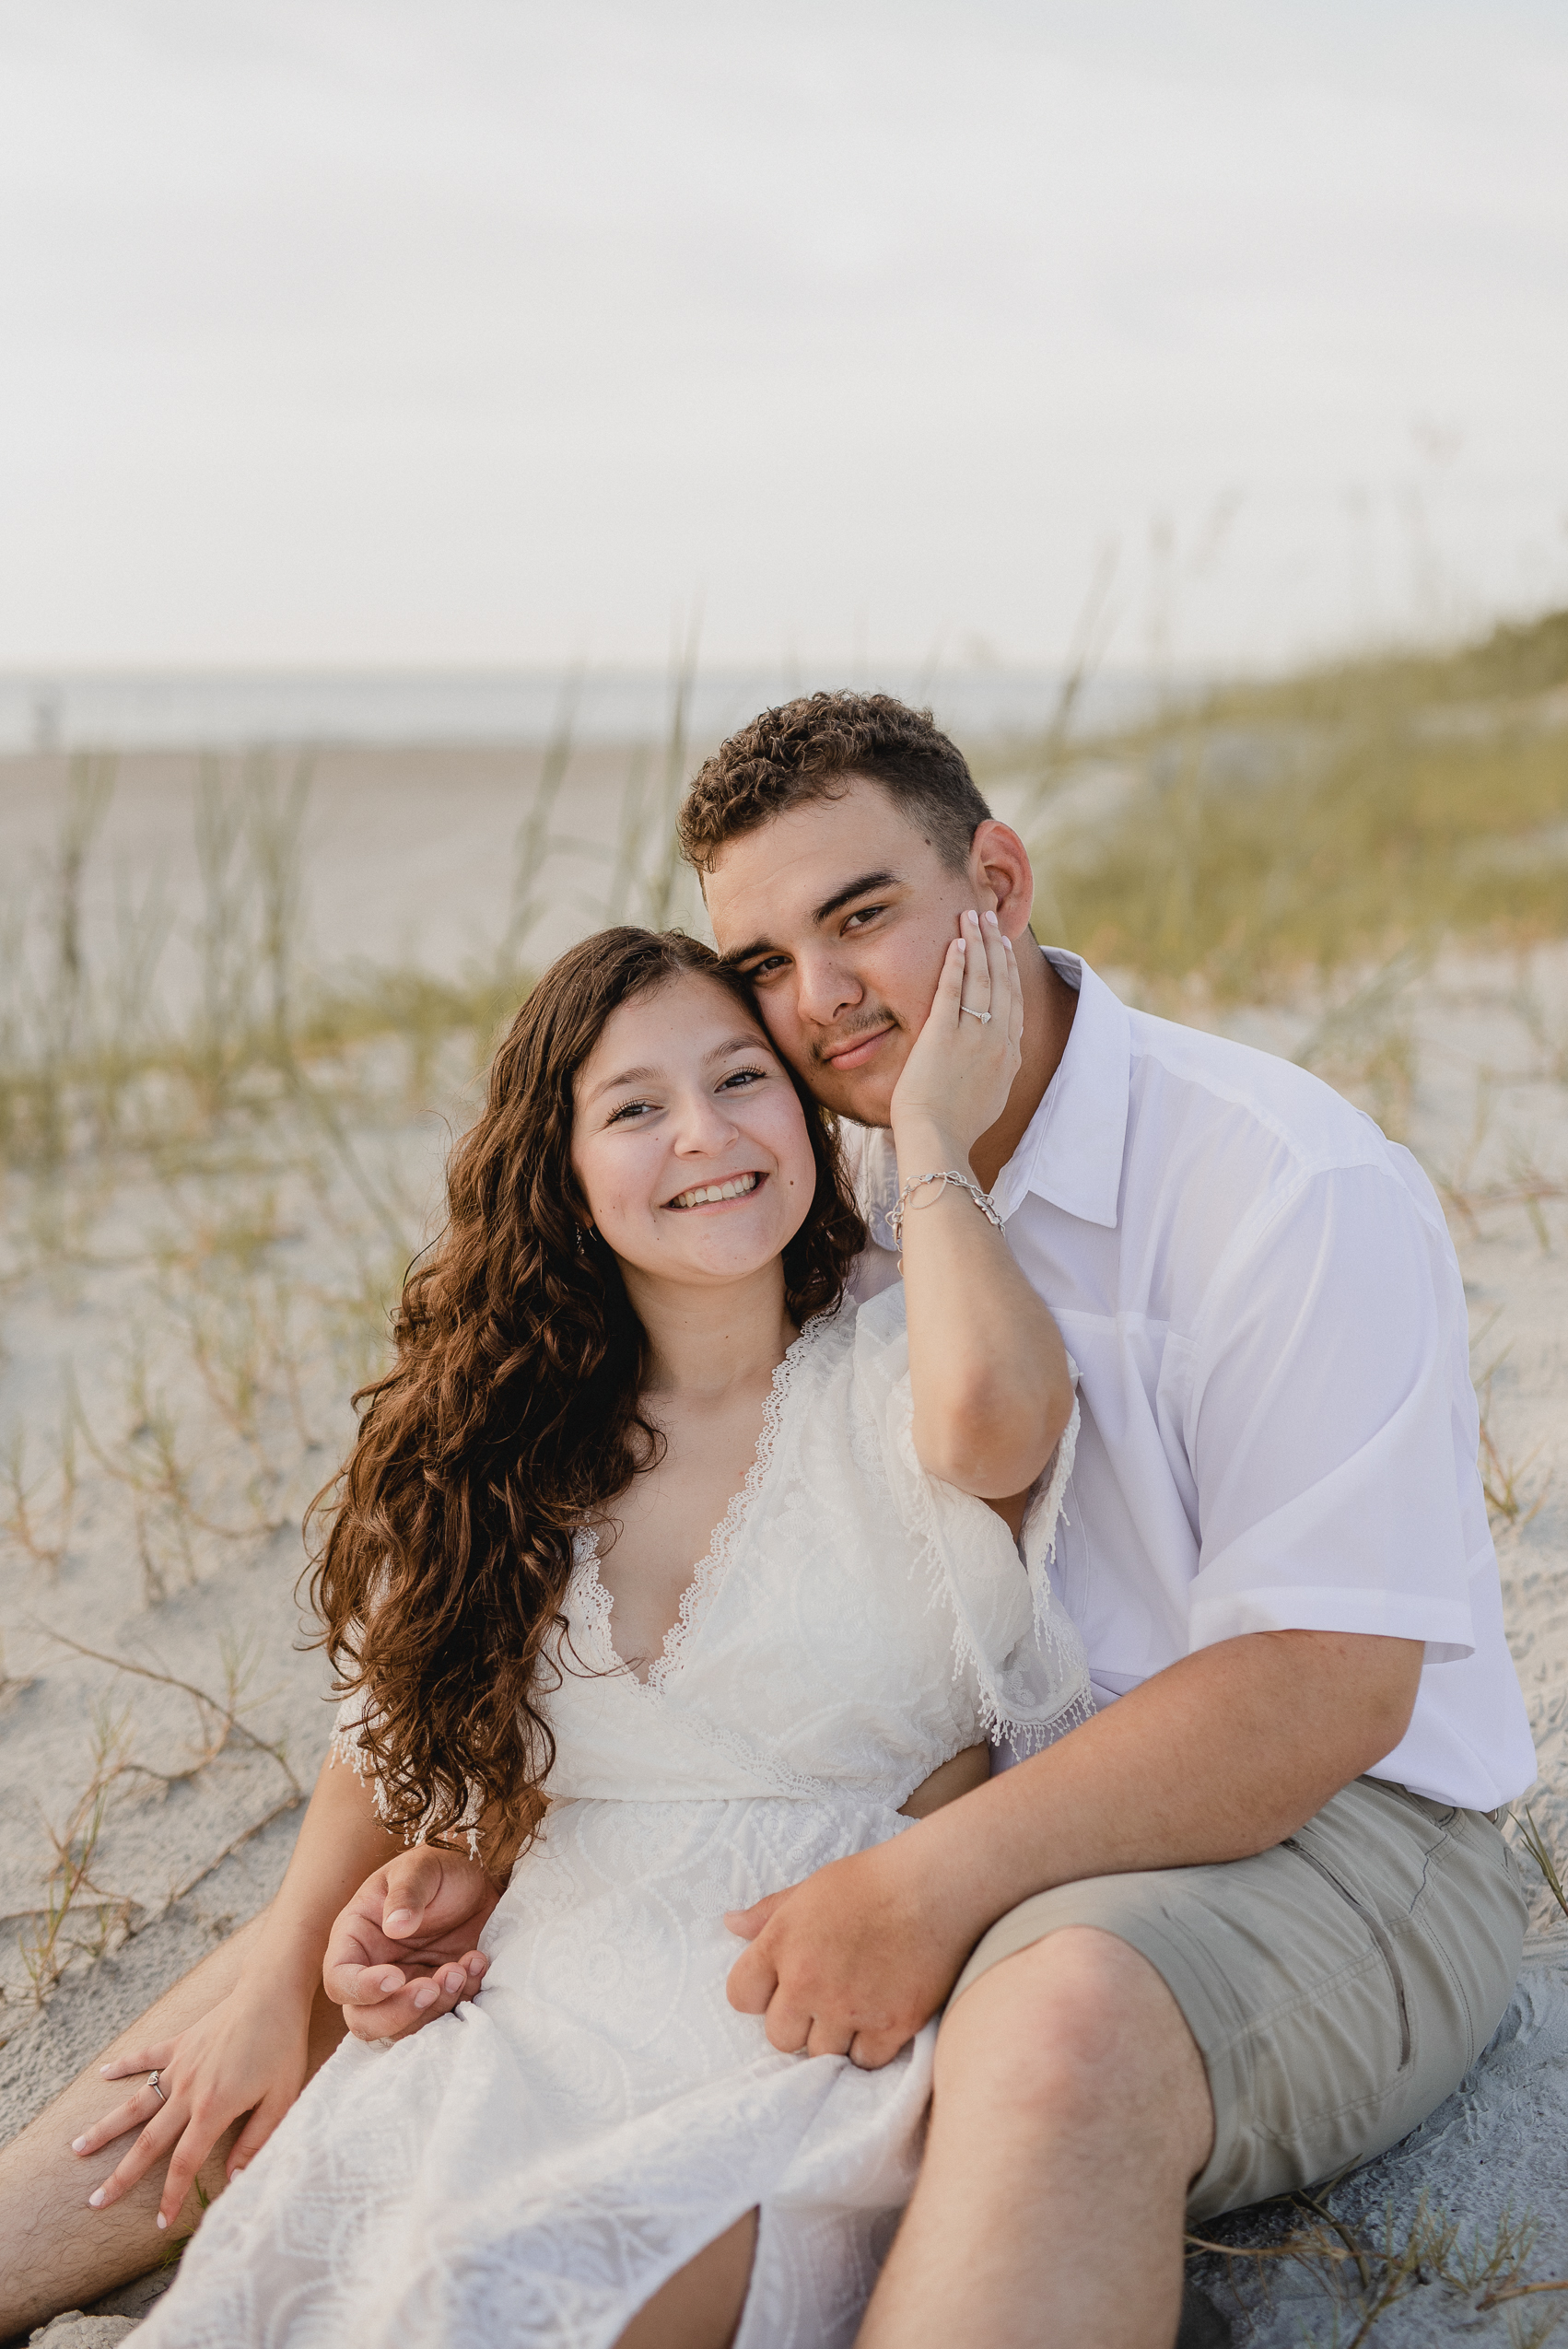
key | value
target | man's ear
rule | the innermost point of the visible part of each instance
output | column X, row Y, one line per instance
column 1002, row 875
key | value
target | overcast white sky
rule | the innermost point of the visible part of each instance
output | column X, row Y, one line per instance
column 473, row 332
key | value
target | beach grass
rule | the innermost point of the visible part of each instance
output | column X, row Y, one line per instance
column 1266, row 833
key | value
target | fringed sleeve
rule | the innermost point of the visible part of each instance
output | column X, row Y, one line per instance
column 1009, row 1626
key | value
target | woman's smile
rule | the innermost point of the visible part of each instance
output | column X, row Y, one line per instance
column 733, row 1187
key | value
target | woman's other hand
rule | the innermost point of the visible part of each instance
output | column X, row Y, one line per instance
column 248, row 2054
column 404, row 1950
column 245, row 2056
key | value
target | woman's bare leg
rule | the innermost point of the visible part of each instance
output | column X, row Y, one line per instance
column 55, row 2253
column 699, row 2306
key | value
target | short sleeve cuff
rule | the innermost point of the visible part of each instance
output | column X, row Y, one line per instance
column 1443, row 1624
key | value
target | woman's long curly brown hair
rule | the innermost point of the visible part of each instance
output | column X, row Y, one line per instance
column 509, row 1415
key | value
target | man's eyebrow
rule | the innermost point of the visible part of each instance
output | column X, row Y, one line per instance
column 825, row 912
column 841, row 898
column 747, row 1042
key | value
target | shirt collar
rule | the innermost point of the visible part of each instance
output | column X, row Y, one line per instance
column 1071, row 1149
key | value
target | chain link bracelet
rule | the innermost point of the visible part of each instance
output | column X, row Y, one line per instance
column 943, row 1175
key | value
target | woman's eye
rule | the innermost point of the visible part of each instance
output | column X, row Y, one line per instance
column 743, row 1077
column 628, row 1109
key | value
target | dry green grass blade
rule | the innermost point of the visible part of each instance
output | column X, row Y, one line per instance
column 45, row 1946
column 535, row 843
column 1541, row 1852
column 20, row 1522
column 219, row 1718
column 664, row 874
column 49, row 1939
column 1086, row 650
column 1523, row 2291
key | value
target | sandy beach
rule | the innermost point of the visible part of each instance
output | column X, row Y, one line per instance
column 189, row 1294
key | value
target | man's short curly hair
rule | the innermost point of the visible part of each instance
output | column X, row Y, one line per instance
column 812, row 749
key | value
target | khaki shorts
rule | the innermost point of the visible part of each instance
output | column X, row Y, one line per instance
column 1338, row 1986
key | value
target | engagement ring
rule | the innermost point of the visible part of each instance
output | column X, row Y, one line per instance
column 983, row 1017
column 152, row 2082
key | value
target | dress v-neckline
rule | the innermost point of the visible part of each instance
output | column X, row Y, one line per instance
column 713, row 1567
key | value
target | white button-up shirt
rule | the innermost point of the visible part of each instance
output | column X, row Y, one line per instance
column 1279, row 1431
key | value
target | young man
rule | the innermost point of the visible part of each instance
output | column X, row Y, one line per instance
column 1252, row 1922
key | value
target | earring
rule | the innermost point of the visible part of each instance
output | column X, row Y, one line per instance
column 579, row 1247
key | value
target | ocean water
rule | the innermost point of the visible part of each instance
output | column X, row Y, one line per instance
column 218, row 710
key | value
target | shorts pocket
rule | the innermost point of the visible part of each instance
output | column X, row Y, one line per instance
column 1380, row 1935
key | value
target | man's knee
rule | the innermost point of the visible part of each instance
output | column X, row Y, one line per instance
column 1079, row 2031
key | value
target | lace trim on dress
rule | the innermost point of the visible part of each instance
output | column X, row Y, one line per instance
column 1056, row 1635
column 1030, row 1724
column 587, row 1595
column 347, row 1745
column 1047, row 1513
column 714, row 1567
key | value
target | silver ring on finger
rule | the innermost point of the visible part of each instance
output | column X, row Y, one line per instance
column 984, row 1017
column 152, row 2082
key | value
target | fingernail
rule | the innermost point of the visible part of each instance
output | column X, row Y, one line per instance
column 389, row 1982
column 104, row 2070
column 425, row 1994
column 78, row 2144
column 991, row 919
column 400, row 1917
column 161, row 2220
column 95, row 2200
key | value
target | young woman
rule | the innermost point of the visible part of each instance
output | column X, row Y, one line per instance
column 631, row 1349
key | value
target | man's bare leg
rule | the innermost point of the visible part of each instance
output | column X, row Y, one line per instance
column 1070, row 2114
column 55, row 2253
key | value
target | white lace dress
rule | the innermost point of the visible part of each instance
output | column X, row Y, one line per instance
column 530, row 2168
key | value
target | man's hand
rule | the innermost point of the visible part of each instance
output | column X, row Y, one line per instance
column 404, row 1950
column 1217, row 1757
column 852, row 1961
